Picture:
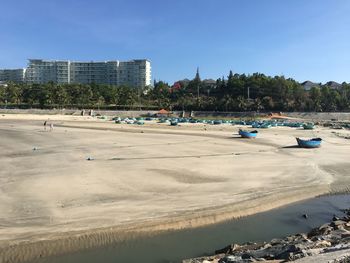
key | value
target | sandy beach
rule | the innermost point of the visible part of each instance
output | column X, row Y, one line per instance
column 145, row 179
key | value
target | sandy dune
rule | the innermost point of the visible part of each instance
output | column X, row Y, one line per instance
column 148, row 177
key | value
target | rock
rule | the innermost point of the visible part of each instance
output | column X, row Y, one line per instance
column 324, row 226
column 346, row 211
column 231, row 259
column 320, row 231
column 301, row 236
column 322, row 244
column 246, row 256
column 337, row 223
column 227, row 250
column 335, row 218
column 345, row 235
column 328, row 237
column 285, row 255
column 275, row 241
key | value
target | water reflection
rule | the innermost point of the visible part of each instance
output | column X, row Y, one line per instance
column 175, row 246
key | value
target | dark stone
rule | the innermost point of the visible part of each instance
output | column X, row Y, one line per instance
column 324, row 226
column 314, row 232
column 246, row 256
column 286, row 255
column 337, row 223
column 305, row 216
column 227, row 250
column 335, row 218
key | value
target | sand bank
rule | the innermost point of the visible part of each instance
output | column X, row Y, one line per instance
column 145, row 179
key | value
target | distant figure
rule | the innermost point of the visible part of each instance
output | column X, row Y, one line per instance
column 51, row 126
column 45, row 125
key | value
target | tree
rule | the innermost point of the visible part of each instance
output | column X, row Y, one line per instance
column 267, row 103
column 228, row 102
column 59, row 95
column 2, row 94
column 315, row 96
column 13, row 93
column 257, row 105
column 43, row 96
column 241, row 103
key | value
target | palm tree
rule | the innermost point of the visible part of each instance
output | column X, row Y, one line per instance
column 241, row 103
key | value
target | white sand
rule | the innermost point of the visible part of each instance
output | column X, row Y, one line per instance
column 183, row 176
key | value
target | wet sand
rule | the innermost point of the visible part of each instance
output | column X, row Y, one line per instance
column 146, row 179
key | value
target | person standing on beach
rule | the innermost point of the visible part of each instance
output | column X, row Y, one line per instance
column 51, row 126
column 45, row 125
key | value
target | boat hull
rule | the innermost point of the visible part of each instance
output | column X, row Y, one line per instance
column 313, row 143
column 247, row 134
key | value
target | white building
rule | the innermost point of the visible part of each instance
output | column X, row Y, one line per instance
column 15, row 75
column 42, row 71
column 134, row 73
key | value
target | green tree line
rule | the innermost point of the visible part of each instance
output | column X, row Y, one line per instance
column 236, row 92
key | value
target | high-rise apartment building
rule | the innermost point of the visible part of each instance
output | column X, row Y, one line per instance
column 42, row 71
column 15, row 75
column 134, row 73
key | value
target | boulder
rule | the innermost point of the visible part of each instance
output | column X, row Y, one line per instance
column 227, row 250
column 337, row 223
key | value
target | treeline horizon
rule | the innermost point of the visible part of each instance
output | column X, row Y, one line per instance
column 236, row 92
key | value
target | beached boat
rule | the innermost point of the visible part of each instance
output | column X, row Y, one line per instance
column 265, row 125
column 308, row 126
column 312, row 143
column 247, row 134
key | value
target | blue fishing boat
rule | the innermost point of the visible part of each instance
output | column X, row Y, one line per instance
column 312, row 143
column 247, row 134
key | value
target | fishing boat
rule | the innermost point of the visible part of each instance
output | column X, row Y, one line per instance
column 140, row 122
column 265, row 125
column 308, row 126
column 247, row 134
column 311, row 143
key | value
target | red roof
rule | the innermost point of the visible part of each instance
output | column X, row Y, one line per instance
column 162, row 111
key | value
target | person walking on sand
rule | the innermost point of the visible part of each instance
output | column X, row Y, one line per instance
column 51, row 126
column 45, row 125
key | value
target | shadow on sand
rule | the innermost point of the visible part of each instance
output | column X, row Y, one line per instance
column 290, row 147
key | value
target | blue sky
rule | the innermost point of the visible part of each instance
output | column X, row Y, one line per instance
column 303, row 39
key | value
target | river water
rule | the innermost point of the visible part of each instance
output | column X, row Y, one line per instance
column 173, row 246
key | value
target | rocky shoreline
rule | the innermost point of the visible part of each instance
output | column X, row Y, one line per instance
column 319, row 245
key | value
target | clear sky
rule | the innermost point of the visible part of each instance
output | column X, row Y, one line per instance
column 303, row 39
